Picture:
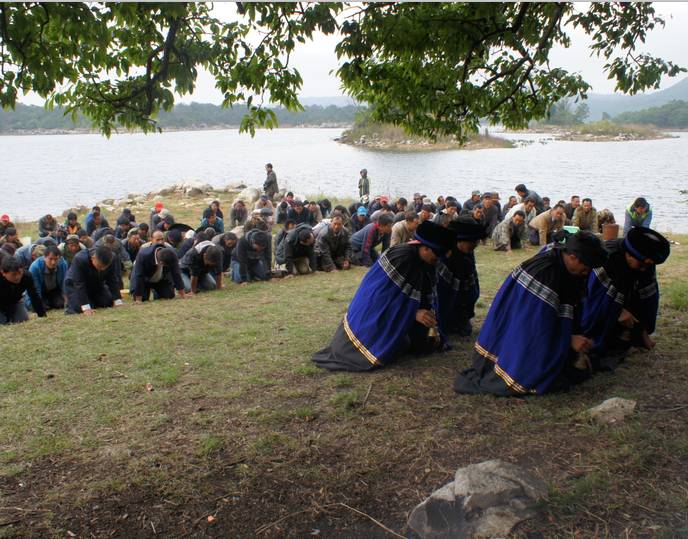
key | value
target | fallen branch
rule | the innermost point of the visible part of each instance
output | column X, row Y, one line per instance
column 377, row 522
column 365, row 399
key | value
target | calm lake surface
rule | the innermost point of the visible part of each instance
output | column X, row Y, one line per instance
column 41, row 174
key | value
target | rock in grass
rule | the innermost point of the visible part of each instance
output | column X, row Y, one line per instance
column 484, row 500
column 612, row 410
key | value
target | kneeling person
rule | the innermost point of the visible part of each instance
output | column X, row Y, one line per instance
column 332, row 248
column 14, row 282
column 201, row 267
column 92, row 281
column 530, row 341
column 391, row 312
column 156, row 269
column 48, row 273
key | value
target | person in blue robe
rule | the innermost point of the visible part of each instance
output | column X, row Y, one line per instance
column 392, row 310
column 530, row 340
column 458, row 287
column 620, row 309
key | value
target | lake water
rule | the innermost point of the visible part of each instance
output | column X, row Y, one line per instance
column 41, row 174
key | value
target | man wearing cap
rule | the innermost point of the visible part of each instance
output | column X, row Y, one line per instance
column 364, row 186
column 391, row 312
column 360, row 220
column 5, row 223
column 364, row 241
column 92, row 281
column 620, row 309
column 155, row 212
column 270, row 184
column 156, row 270
column 458, row 287
column 530, row 341
column 402, row 231
column 471, row 202
column 264, row 202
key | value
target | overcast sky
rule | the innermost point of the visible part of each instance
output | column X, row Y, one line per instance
column 316, row 60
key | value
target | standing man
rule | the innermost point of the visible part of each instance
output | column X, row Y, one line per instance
column 270, row 185
column 364, row 187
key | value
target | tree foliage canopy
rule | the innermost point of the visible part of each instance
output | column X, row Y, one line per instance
column 435, row 68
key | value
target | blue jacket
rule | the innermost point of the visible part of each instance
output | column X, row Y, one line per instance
column 219, row 225
column 37, row 269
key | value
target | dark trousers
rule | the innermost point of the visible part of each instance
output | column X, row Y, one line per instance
column 163, row 289
column 53, row 299
column 98, row 298
column 15, row 314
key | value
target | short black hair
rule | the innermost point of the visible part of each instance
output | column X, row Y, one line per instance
column 641, row 202
column 520, row 212
column 143, row 226
column 81, row 233
column 587, row 200
column 213, row 254
column 410, row 215
column 574, row 196
column 168, row 256
column 103, row 254
column 95, row 208
column 10, row 264
column 10, row 231
column 305, row 235
column 289, row 222
column 521, row 188
column 71, row 216
column 230, row 236
column 385, row 219
column 260, row 238
column 9, row 248
column 559, row 206
column 290, row 194
column 52, row 250
column 402, row 200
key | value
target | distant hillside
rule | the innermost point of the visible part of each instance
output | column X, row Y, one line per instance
column 192, row 116
column 672, row 115
column 615, row 104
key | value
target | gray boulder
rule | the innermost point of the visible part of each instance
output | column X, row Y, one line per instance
column 249, row 195
column 235, row 186
column 612, row 411
column 485, row 500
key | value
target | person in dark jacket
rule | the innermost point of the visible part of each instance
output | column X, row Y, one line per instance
column 298, row 213
column 14, row 282
column 360, row 219
column 48, row 273
column 202, row 267
column 364, row 241
column 5, row 223
column 92, row 281
column 332, row 246
column 524, row 193
column 47, row 226
column 270, row 184
column 238, row 214
column 471, row 202
column 96, row 221
column 214, row 222
column 299, row 252
column 213, row 208
column 11, row 237
column 248, row 263
column 226, row 242
column 157, row 270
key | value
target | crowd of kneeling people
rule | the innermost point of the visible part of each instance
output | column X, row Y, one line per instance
column 575, row 307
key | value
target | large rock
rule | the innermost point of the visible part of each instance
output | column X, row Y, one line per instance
column 612, row 410
column 235, row 186
column 485, row 500
column 194, row 188
column 167, row 191
column 249, row 195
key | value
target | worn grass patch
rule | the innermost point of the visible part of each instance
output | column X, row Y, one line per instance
column 241, row 426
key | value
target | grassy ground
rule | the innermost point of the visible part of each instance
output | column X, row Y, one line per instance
column 239, row 435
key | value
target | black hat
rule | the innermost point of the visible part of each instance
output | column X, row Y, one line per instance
column 465, row 231
column 434, row 236
column 587, row 247
column 644, row 243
